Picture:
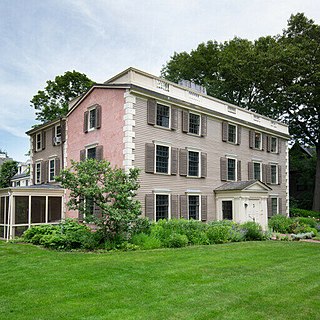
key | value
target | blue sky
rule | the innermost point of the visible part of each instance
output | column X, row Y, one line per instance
column 41, row 39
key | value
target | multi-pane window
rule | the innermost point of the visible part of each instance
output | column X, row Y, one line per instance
column 194, row 207
column 91, row 153
column 194, row 123
column 274, row 206
column 231, row 169
column 92, row 119
column 257, row 171
column 162, row 159
column 232, row 133
column 193, row 164
column 163, row 116
column 38, row 141
column 274, row 173
column 38, row 172
column 257, row 140
column 274, row 145
column 162, row 206
column 51, row 170
column 227, row 210
column 58, row 131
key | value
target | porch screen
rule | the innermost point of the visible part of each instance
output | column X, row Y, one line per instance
column 38, row 209
column 54, row 209
column 21, row 209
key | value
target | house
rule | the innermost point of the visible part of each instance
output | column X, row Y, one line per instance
column 200, row 158
column 22, row 177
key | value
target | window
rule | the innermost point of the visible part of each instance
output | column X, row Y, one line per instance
column 58, row 131
column 91, row 153
column 274, row 173
column 163, row 116
column 194, row 123
column 257, row 140
column 232, row 133
column 162, row 159
column 273, row 144
column 257, row 171
column 38, row 142
column 162, row 206
column 193, row 164
column 92, row 119
column 231, row 170
column 38, row 173
column 194, row 207
column 274, row 206
column 51, row 170
column 227, row 210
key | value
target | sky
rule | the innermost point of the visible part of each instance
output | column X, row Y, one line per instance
column 41, row 39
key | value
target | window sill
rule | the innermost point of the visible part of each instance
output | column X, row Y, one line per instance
column 162, row 173
column 193, row 177
column 194, row 134
column 163, row 128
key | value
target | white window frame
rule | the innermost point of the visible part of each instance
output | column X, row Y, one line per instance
column 155, row 158
column 56, row 130
column 91, row 147
column 254, row 140
column 260, row 164
column 236, row 168
column 170, row 115
column 155, row 203
column 236, row 137
column 221, row 207
column 194, row 194
column 277, row 173
column 54, row 169
column 199, row 163
column 277, row 144
column 200, row 124
column 92, row 109
column 38, row 141
column 37, row 165
column 277, row 199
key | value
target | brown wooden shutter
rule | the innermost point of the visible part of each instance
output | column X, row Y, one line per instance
column 174, row 207
column 238, row 134
column 174, row 161
column 264, row 173
column 53, row 134
column 223, row 169
column 184, row 207
column 280, row 206
column 57, row 166
column 250, row 170
column 85, row 121
column 98, row 117
column 151, row 111
column 63, row 131
column 99, row 153
column 185, row 121
column 149, row 157
column 264, row 141
column 279, row 145
column 43, row 140
column 34, row 143
column 268, row 143
column 251, row 138
column 268, row 175
column 83, row 155
column 203, row 125
column 149, row 206
column 183, row 162
column 279, row 175
column 269, row 204
column 44, row 171
column 204, row 208
column 239, row 170
column 224, row 131
column 203, row 165
column 174, row 118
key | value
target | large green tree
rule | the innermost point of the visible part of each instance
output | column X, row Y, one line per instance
column 52, row 102
column 7, row 170
column 278, row 76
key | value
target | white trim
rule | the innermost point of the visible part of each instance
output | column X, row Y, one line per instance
column 40, row 141
column 236, row 137
column 155, row 159
column 170, row 116
column 36, row 172
column 277, row 173
column 236, row 168
column 199, row 196
column 260, row 164
column 254, row 140
column 166, row 193
column 92, row 108
column 199, row 162
column 200, row 124
column 54, row 169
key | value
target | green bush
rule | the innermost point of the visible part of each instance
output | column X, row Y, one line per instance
column 140, row 225
column 295, row 212
column 219, row 233
column 280, row 223
column 176, row 240
column 253, row 231
column 34, row 234
column 311, row 222
column 146, row 242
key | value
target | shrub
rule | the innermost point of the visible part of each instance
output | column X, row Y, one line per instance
column 176, row 240
column 146, row 242
column 141, row 225
column 253, row 231
column 280, row 223
column 311, row 222
column 219, row 233
column 34, row 234
column 295, row 212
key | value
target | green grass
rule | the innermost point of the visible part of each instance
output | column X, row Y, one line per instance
column 252, row 280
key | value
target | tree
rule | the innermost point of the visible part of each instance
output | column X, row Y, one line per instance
column 52, row 102
column 278, row 76
column 103, row 195
column 7, row 170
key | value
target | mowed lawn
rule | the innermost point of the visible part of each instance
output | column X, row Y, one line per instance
column 252, row 280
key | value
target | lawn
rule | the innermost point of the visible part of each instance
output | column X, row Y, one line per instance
column 251, row 280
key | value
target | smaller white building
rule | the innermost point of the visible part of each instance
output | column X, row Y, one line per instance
column 22, row 177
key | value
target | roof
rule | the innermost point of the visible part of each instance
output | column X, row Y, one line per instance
column 43, row 125
column 43, row 186
column 241, row 185
column 21, row 175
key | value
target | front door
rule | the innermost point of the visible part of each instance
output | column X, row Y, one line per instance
column 254, row 210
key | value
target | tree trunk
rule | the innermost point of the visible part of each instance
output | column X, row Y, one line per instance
column 316, row 194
